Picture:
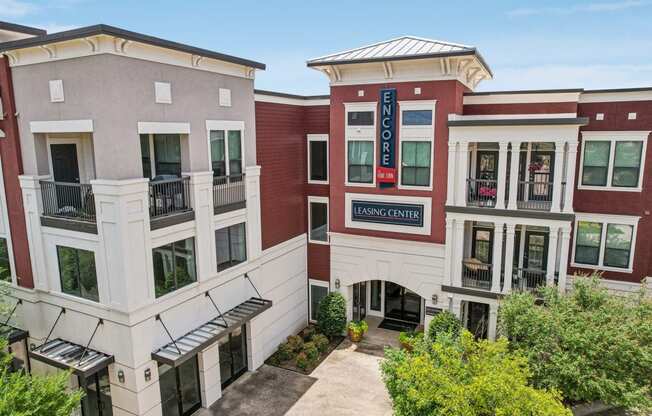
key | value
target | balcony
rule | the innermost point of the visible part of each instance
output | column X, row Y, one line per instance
column 527, row 280
column 481, row 192
column 68, row 205
column 476, row 275
column 229, row 193
column 169, row 201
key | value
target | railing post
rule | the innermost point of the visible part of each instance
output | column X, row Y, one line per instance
column 509, row 257
column 557, row 176
column 552, row 255
column 513, row 174
column 502, row 175
column 497, row 256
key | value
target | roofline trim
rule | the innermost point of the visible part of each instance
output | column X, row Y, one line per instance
column 582, row 121
column 295, row 96
column 102, row 29
column 29, row 30
column 551, row 91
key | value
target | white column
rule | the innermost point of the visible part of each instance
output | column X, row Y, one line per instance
column 462, row 172
column 513, row 174
column 201, row 198
column 571, row 158
column 557, row 176
column 456, row 307
column 502, row 175
column 497, row 257
column 254, row 236
column 552, row 255
column 452, row 169
column 33, row 206
column 509, row 256
column 493, row 322
column 458, row 253
column 209, row 375
column 448, row 251
column 563, row 258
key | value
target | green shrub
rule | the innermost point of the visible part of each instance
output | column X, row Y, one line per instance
column 331, row 317
column 461, row 376
column 310, row 349
column 302, row 360
column 410, row 339
column 321, row 342
column 295, row 342
column 588, row 344
column 285, row 352
column 444, row 322
column 358, row 327
column 308, row 333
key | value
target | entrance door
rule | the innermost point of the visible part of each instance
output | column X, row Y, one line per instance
column 180, row 390
column 359, row 301
column 97, row 401
column 487, row 165
column 233, row 356
column 66, row 169
column 477, row 318
column 402, row 304
column 541, row 174
column 535, row 256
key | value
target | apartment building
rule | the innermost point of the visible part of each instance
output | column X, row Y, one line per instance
column 164, row 225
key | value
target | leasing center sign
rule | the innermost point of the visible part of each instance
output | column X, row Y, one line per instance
column 386, row 172
column 410, row 215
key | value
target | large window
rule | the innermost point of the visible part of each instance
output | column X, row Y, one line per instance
column 612, row 163
column 360, row 118
column 317, row 219
column 417, row 117
column 605, row 244
column 160, row 155
column 174, row 266
column 226, row 152
column 360, row 161
column 5, row 265
column 415, row 163
column 318, row 158
column 417, row 133
column 360, row 138
column 318, row 291
column 231, row 246
column 77, row 272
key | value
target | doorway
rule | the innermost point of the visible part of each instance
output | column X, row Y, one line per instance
column 535, row 256
column 487, row 165
column 359, row 301
column 233, row 356
column 65, row 170
column 402, row 304
column 475, row 317
column 97, row 398
column 180, row 389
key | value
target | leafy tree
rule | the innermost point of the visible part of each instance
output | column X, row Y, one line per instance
column 331, row 315
column 461, row 376
column 588, row 344
column 444, row 322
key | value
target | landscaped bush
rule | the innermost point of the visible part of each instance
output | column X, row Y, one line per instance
column 588, row 344
column 295, row 342
column 285, row 352
column 331, row 317
column 310, row 349
column 308, row 333
column 409, row 340
column 302, row 360
column 444, row 322
column 321, row 342
column 461, row 376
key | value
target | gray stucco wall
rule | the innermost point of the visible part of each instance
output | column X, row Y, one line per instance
column 117, row 92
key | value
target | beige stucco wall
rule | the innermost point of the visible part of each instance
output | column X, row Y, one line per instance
column 117, row 92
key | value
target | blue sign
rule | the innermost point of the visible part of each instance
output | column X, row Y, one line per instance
column 410, row 215
column 386, row 172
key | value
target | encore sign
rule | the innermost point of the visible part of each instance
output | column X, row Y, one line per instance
column 410, row 215
column 386, row 172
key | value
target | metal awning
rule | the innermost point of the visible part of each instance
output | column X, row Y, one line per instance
column 187, row 346
column 83, row 361
column 12, row 334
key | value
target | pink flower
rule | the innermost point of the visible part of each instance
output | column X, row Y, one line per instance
column 486, row 191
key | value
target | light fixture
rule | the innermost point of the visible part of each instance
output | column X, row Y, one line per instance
column 121, row 376
column 148, row 374
column 434, row 299
column 337, row 283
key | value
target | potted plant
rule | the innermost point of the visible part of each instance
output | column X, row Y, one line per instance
column 356, row 330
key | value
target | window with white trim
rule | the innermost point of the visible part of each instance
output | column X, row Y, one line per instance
column 318, row 291
column 613, row 160
column 318, row 219
column 417, row 133
column 360, row 136
column 605, row 242
column 226, row 152
column 318, row 158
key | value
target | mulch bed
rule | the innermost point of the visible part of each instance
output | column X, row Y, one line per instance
column 291, row 365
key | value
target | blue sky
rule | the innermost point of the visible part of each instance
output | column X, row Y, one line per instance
column 545, row 44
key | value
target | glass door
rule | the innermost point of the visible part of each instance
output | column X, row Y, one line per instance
column 402, row 304
column 180, row 390
column 476, row 319
column 233, row 356
column 536, row 250
column 541, row 171
column 97, row 400
column 359, row 301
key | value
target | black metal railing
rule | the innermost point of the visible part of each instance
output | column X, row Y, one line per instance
column 228, row 191
column 481, row 192
column 74, row 201
column 169, row 196
column 534, row 195
column 476, row 275
column 528, row 279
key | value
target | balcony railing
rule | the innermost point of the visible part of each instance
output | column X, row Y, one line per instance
column 528, row 279
column 169, row 196
column 73, row 201
column 534, row 195
column 229, row 193
column 481, row 192
column 476, row 274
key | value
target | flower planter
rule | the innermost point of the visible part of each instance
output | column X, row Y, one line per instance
column 355, row 336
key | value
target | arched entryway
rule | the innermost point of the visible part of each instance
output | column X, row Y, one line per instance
column 395, row 306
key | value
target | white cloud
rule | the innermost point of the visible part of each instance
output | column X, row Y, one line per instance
column 54, row 27
column 570, row 76
column 16, row 8
column 580, row 8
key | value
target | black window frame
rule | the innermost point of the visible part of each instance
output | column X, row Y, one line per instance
column 78, row 276
column 363, row 118
column 416, row 168
column 350, row 165
column 95, row 380
column 599, row 247
column 173, row 249
column 607, row 248
column 321, row 163
column 231, row 262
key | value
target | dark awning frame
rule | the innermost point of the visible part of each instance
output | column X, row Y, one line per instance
column 11, row 333
column 83, row 361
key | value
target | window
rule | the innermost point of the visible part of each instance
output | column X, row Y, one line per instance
column 605, row 243
column 174, row 266
column 77, row 272
column 318, row 158
column 613, row 160
column 226, row 152
column 318, row 291
column 417, row 117
column 317, row 219
column 231, row 246
column 160, row 155
column 360, row 118
column 361, row 161
column 415, row 163
column 5, row 264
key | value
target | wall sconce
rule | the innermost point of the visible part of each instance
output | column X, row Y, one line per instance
column 148, row 374
column 121, row 376
column 434, row 299
column 32, row 346
column 337, row 283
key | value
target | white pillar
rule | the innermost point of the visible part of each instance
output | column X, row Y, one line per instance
column 209, row 374
column 497, row 257
column 509, row 256
column 493, row 322
column 201, row 198
column 33, row 206
column 254, row 242
column 456, row 308
column 462, row 172
column 513, row 174
column 458, row 253
column 448, row 251
column 502, row 175
column 552, row 255
column 557, row 176
column 452, row 169
column 571, row 158
column 563, row 258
